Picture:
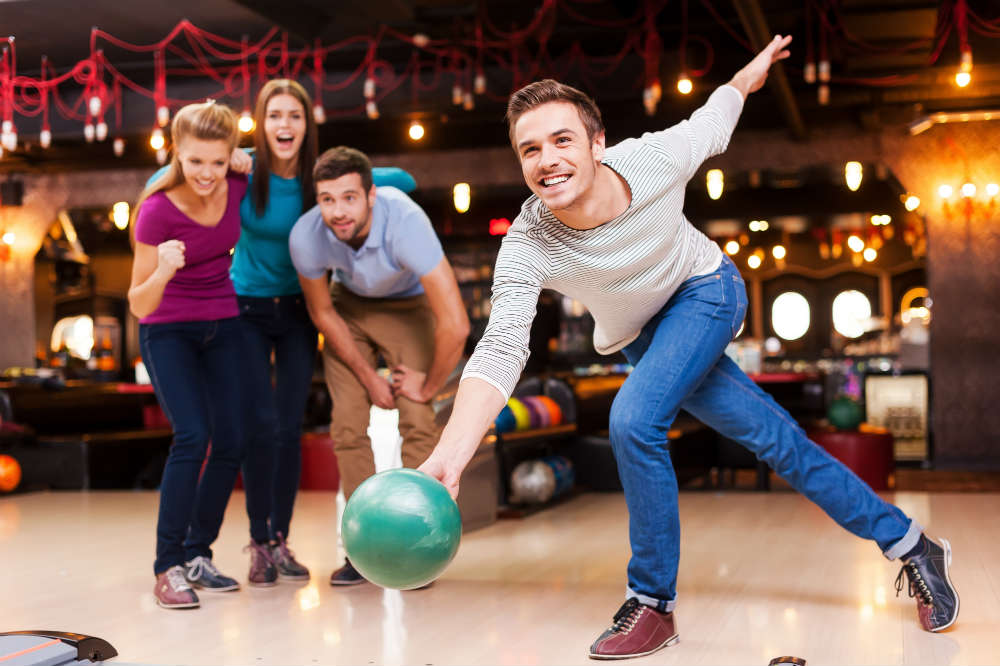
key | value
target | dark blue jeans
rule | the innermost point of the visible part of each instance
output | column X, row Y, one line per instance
column 680, row 364
column 194, row 368
column 276, row 399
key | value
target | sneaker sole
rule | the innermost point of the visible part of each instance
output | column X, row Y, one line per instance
column 293, row 577
column 192, row 604
column 350, row 584
column 273, row 583
column 213, row 590
column 947, row 575
column 673, row 640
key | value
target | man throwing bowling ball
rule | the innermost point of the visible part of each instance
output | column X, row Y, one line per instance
column 605, row 226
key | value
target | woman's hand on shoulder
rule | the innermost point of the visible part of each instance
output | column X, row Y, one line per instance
column 240, row 161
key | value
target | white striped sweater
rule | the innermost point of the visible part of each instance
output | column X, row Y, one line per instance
column 623, row 271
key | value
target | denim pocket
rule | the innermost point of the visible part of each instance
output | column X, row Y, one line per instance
column 740, row 312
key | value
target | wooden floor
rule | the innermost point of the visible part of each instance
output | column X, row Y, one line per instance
column 762, row 575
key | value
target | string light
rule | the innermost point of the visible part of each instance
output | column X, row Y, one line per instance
column 416, row 131
column 456, row 95
column 945, row 191
column 714, row 182
column 778, row 251
column 161, row 156
column 94, row 105
column 962, row 79
column 855, row 243
column 319, row 113
column 753, row 261
column 684, row 85
column 758, row 225
column 45, row 138
column 163, row 115
column 246, row 122
column 371, row 110
column 912, row 202
column 88, row 132
column 101, row 131
column 479, row 84
column 118, row 146
column 869, row 254
column 8, row 237
column 992, row 189
column 369, row 88
column 968, row 190
column 732, row 247
column 157, row 140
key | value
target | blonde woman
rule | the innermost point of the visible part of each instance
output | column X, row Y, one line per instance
column 187, row 222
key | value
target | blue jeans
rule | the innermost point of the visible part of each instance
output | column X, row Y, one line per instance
column 193, row 366
column 276, row 403
column 679, row 364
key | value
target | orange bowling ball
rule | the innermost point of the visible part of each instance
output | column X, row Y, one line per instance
column 10, row 473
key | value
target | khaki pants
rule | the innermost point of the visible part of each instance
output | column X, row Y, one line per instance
column 402, row 331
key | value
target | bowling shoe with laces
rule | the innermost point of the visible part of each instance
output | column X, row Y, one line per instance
column 637, row 630
column 284, row 559
column 263, row 572
column 930, row 583
column 173, row 591
column 347, row 575
column 204, row 575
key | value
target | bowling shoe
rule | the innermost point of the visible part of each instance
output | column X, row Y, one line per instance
column 637, row 630
column 204, row 575
column 288, row 567
column 347, row 575
column 930, row 584
column 172, row 590
column 263, row 573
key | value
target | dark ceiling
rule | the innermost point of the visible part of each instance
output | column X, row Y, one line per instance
column 879, row 51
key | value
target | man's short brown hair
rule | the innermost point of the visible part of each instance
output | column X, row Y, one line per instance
column 340, row 161
column 535, row 94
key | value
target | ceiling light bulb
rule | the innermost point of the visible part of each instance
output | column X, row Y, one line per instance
column 992, row 189
column 855, row 243
column 732, row 247
column 968, row 190
column 684, row 85
column 870, row 254
column 945, row 191
column 779, row 252
column 962, row 79
column 753, row 261
column 416, row 130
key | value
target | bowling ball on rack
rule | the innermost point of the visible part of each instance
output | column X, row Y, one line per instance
column 10, row 473
column 521, row 413
column 505, row 421
column 401, row 528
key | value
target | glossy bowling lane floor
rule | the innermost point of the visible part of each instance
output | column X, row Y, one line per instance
column 762, row 575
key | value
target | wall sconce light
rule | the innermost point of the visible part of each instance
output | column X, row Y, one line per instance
column 853, row 173
column 714, row 182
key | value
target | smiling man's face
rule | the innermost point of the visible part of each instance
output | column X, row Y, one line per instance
column 558, row 160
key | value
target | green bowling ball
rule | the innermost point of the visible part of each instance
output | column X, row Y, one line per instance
column 401, row 528
column 845, row 413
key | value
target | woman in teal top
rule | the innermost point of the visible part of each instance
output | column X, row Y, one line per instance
column 275, row 320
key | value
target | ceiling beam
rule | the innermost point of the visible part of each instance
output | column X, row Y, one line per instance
column 757, row 30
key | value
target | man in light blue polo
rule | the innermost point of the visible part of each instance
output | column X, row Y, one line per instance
column 393, row 294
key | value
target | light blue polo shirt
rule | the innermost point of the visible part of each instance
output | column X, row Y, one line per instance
column 400, row 249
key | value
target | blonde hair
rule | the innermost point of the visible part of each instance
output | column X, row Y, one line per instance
column 207, row 121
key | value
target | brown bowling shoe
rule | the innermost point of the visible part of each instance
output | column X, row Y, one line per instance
column 637, row 630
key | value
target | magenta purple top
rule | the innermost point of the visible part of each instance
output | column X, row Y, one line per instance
column 202, row 290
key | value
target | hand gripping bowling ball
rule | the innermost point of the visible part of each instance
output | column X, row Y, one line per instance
column 401, row 528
